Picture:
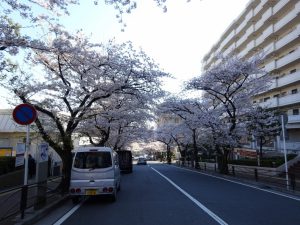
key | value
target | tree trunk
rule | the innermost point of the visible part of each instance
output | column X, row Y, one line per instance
column 195, row 152
column 260, row 147
column 66, row 172
column 168, row 154
column 223, row 162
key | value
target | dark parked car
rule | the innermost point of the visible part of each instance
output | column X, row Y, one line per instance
column 141, row 161
column 125, row 161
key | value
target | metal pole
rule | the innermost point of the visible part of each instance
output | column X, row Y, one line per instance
column 285, row 157
column 26, row 157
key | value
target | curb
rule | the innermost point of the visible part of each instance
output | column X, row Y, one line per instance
column 36, row 215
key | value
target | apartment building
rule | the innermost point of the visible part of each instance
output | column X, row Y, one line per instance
column 272, row 26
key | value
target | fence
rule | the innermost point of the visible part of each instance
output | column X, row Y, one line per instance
column 12, row 200
column 269, row 177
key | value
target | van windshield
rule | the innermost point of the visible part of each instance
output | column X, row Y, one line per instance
column 92, row 160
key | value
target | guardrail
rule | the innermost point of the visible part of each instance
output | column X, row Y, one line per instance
column 13, row 202
column 269, row 177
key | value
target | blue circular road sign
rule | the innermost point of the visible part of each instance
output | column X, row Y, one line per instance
column 24, row 114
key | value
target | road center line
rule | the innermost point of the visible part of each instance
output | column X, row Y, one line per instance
column 210, row 213
column 68, row 214
column 243, row 184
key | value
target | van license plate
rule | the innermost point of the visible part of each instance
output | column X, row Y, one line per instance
column 91, row 192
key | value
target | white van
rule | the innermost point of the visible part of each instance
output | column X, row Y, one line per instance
column 95, row 171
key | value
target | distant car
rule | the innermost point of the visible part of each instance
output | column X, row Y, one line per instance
column 141, row 161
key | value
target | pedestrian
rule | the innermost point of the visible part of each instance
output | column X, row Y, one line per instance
column 31, row 166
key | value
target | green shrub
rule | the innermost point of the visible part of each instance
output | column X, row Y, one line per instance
column 7, row 164
column 264, row 162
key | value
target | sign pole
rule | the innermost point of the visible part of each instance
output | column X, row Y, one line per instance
column 26, row 156
column 24, row 114
column 285, row 157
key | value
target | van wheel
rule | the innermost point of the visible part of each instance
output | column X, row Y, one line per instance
column 75, row 199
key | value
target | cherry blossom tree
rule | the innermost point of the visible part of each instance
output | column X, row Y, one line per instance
column 20, row 20
column 73, row 78
column 229, row 86
column 262, row 124
column 118, row 122
column 188, row 111
column 163, row 135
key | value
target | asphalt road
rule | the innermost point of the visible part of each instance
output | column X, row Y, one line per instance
column 159, row 194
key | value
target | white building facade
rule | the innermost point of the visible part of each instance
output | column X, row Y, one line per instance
column 271, row 26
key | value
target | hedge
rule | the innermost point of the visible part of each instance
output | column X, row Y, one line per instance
column 7, row 164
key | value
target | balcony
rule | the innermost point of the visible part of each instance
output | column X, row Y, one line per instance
column 269, row 48
column 270, row 66
column 288, row 58
column 281, row 101
column 263, row 19
column 241, row 26
column 288, row 38
column 227, row 39
column 285, row 80
column 289, row 99
column 243, row 53
column 267, row 32
column 293, row 118
column 241, row 40
column 279, row 6
column 259, row 7
column 229, row 50
column 250, row 30
column 290, row 16
column 292, row 146
column 250, row 46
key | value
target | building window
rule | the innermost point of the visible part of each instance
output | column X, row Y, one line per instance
column 295, row 111
column 276, row 96
column 294, row 91
column 254, row 102
column 261, row 100
column 266, row 99
column 293, row 71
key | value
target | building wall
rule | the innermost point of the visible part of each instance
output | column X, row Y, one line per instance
column 271, row 26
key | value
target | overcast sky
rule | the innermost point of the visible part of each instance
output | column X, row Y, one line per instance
column 177, row 40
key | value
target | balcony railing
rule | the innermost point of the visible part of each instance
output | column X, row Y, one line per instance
column 241, row 40
column 289, row 99
column 290, row 16
column 259, row 7
column 294, row 119
column 264, row 17
column 279, row 5
column 294, row 146
column 288, row 58
column 227, row 39
column 288, row 38
column 267, row 32
column 281, row 101
column 269, row 48
column 285, row 80
column 270, row 66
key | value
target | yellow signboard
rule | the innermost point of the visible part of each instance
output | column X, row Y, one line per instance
column 6, row 152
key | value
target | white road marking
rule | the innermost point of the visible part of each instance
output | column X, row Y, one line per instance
column 240, row 183
column 210, row 213
column 68, row 214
